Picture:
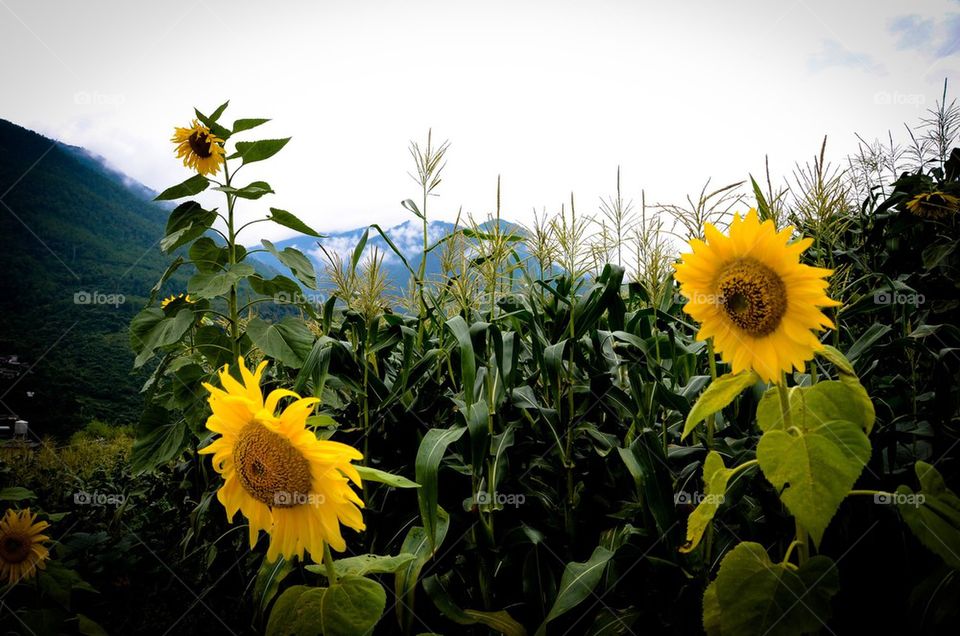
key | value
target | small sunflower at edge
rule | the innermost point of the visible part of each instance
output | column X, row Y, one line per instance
column 22, row 549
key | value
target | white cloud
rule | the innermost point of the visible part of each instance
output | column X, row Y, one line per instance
column 552, row 97
column 934, row 37
column 832, row 54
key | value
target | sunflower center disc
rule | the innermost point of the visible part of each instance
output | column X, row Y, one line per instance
column 270, row 468
column 14, row 549
column 752, row 296
column 200, row 144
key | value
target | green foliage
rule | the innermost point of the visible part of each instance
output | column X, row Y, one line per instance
column 715, row 478
column 814, row 470
column 753, row 595
column 79, row 261
column 349, row 607
column 719, row 394
column 529, row 424
column 364, row 564
column 933, row 513
column 578, row 581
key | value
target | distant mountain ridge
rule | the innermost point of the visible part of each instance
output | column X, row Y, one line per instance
column 80, row 255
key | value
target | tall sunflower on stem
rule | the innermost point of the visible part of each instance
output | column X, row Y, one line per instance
column 200, row 149
column 754, row 298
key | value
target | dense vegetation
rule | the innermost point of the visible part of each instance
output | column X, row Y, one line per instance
column 552, row 402
column 70, row 227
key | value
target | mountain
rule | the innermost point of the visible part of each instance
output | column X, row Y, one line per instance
column 80, row 253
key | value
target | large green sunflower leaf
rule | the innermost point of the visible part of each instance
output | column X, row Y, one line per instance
column 161, row 436
column 770, row 412
column 250, row 151
column 364, row 564
column 246, row 124
column 288, row 219
column 207, row 256
column 187, row 222
column 296, row 612
column 288, row 341
column 753, row 595
column 298, row 263
column 152, row 329
column 814, row 470
column 16, row 493
column 711, row 610
column 211, row 284
column 933, row 514
column 839, row 400
column 191, row 187
column 849, row 378
column 811, row 406
column 715, row 478
column 719, row 394
column 251, row 191
column 350, row 607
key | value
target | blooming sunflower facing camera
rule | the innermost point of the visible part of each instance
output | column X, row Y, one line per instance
column 199, row 148
column 21, row 545
column 750, row 293
column 276, row 472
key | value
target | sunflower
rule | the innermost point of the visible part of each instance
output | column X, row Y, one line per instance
column 21, row 545
column 172, row 299
column 933, row 205
column 750, row 293
column 199, row 148
column 282, row 478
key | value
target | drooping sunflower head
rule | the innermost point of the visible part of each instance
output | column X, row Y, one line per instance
column 934, row 205
column 199, row 148
column 178, row 299
column 22, row 549
column 276, row 472
column 750, row 293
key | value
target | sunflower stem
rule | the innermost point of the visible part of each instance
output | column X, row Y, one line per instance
column 232, row 259
column 801, row 541
column 784, row 400
column 712, row 360
column 328, row 563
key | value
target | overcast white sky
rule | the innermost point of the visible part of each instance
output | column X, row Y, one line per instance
column 551, row 95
